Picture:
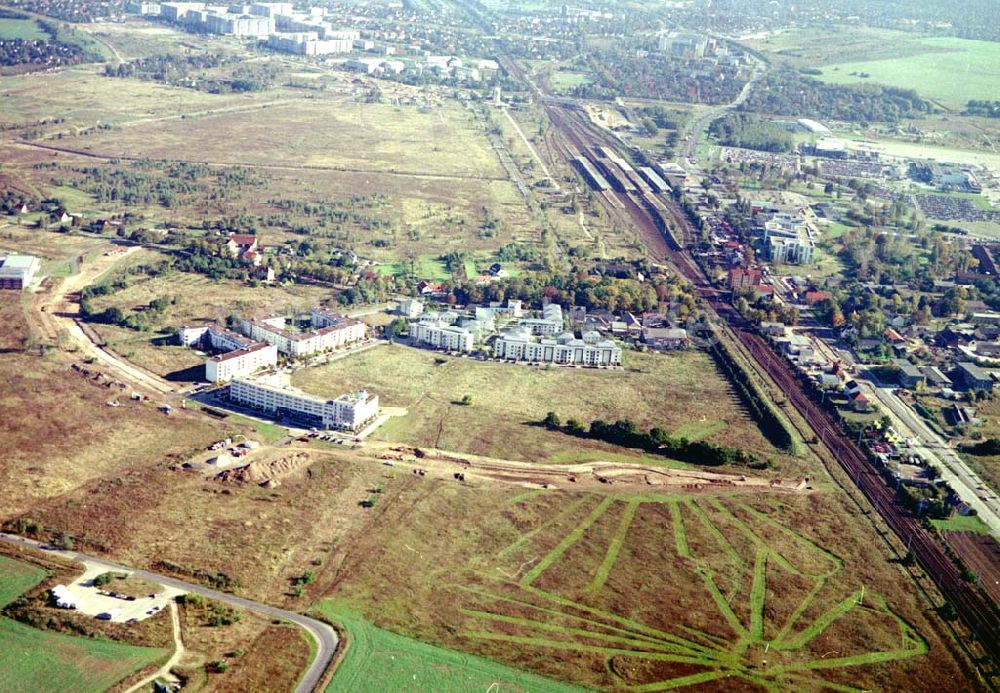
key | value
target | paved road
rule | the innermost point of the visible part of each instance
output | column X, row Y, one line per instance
column 322, row 634
column 931, row 447
column 695, row 130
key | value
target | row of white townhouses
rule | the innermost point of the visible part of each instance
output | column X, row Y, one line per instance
column 350, row 412
column 519, row 344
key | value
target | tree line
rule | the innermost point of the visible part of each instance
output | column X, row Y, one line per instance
column 626, row 434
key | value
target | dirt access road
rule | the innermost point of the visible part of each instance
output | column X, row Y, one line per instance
column 59, row 309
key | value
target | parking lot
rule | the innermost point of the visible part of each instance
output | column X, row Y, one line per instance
column 89, row 601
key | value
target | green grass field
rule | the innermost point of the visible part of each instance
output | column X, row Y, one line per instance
column 378, row 660
column 962, row 523
column 25, row 29
column 671, row 391
column 38, row 660
column 564, row 81
column 952, row 70
column 17, row 578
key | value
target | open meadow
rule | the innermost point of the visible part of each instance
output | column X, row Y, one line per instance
column 331, row 133
column 947, row 69
column 675, row 392
column 59, row 432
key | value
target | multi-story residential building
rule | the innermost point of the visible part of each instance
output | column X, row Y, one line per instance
column 212, row 336
column 442, row 335
column 788, row 239
column 350, row 412
column 520, row 344
column 17, row 271
column 338, row 331
column 241, row 362
column 550, row 323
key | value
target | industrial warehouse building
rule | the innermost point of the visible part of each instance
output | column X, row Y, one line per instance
column 346, row 413
column 17, row 271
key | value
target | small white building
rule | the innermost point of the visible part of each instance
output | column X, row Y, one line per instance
column 410, row 308
column 17, row 271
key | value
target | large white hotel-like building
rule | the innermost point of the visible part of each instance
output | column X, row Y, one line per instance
column 350, row 412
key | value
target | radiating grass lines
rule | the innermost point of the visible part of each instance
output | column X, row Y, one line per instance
column 527, row 536
column 680, row 536
column 545, row 619
column 601, row 576
column 821, row 624
column 567, row 542
column 757, row 594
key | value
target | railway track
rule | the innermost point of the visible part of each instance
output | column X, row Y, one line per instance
column 665, row 232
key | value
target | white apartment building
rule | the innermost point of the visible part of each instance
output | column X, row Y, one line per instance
column 214, row 336
column 241, row 362
column 338, row 332
column 550, row 323
column 441, row 335
column 788, row 239
column 520, row 345
column 348, row 412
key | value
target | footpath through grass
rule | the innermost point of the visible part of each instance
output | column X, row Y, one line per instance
column 378, row 661
column 40, row 660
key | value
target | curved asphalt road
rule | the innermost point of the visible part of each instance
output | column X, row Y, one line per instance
column 324, row 635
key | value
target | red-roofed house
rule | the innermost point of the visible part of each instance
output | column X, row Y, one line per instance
column 860, row 402
column 740, row 278
column 814, row 297
column 240, row 244
column 893, row 336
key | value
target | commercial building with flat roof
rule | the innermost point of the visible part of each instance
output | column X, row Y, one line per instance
column 17, row 271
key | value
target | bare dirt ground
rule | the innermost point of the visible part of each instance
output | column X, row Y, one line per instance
column 591, row 475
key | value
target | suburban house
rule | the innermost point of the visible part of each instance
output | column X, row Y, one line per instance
column 665, row 338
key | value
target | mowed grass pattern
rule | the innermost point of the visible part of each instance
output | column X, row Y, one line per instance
column 380, row 661
column 952, row 70
column 783, row 618
column 37, row 660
